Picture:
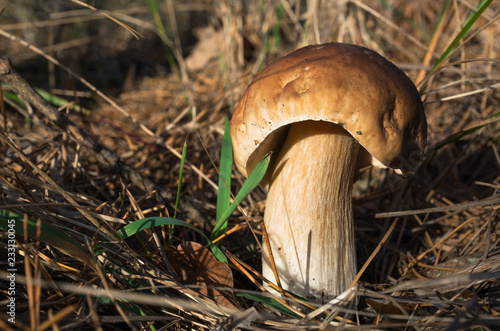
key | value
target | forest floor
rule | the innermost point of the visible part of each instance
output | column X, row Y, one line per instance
column 132, row 92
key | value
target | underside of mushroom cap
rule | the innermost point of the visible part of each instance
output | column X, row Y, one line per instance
column 349, row 85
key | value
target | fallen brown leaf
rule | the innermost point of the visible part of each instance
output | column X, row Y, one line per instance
column 196, row 265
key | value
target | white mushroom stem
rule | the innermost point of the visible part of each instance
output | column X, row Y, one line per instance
column 308, row 213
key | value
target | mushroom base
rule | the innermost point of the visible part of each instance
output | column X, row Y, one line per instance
column 308, row 213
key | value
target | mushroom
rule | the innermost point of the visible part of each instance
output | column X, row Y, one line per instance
column 325, row 112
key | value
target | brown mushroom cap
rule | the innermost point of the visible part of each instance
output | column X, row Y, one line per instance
column 340, row 83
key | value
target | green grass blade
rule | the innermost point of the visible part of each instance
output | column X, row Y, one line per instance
column 226, row 162
column 162, row 32
column 181, row 172
column 179, row 185
column 457, row 136
column 398, row 13
column 268, row 301
column 442, row 15
column 55, row 100
column 13, row 97
column 465, row 30
column 146, row 223
column 251, row 183
column 276, row 30
column 14, row 223
column 154, row 8
column 59, row 102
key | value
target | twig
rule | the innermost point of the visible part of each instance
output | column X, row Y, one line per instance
column 374, row 253
column 452, row 282
column 459, row 206
column 126, row 27
column 271, row 261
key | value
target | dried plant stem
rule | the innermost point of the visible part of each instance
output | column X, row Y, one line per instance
column 126, row 27
column 456, row 207
column 430, row 51
column 374, row 253
column 270, row 258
